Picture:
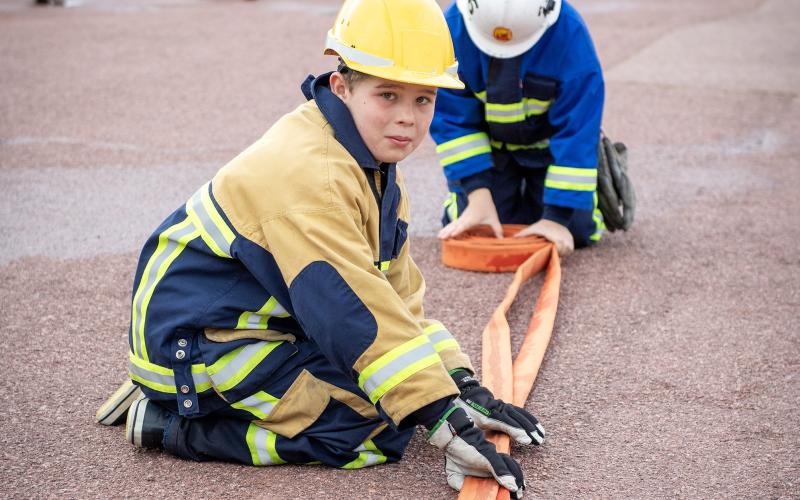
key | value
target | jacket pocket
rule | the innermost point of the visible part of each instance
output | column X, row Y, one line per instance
column 300, row 407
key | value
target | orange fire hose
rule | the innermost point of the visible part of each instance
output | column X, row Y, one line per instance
column 479, row 251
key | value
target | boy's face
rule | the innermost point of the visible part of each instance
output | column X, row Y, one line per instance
column 392, row 117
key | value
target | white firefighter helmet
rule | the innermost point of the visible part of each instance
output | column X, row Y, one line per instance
column 507, row 28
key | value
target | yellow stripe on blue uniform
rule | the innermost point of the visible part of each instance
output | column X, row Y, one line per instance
column 171, row 243
column 162, row 379
column 259, row 404
column 259, row 320
column 515, row 111
column 544, row 144
column 599, row 225
column 368, row 455
column 262, row 444
column 395, row 366
column 440, row 337
column 571, row 178
column 451, row 206
column 463, row 147
column 234, row 366
column 205, row 217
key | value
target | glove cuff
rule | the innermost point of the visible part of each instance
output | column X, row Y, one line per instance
column 442, row 432
column 464, row 379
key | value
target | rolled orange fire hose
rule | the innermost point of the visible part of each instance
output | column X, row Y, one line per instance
column 479, row 251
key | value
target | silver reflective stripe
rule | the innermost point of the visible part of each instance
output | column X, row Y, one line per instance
column 238, row 362
column 201, row 380
column 396, row 365
column 195, row 204
column 254, row 321
column 587, row 179
column 505, row 112
column 254, row 401
column 355, row 55
column 150, row 376
column 475, row 143
column 149, row 281
column 439, row 336
column 260, row 444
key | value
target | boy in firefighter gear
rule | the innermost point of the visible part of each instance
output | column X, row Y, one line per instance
column 277, row 315
column 519, row 143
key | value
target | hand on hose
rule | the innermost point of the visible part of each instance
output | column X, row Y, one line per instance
column 554, row 232
column 494, row 414
column 480, row 210
column 468, row 453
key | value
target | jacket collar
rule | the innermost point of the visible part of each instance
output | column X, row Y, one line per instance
column 337, row 114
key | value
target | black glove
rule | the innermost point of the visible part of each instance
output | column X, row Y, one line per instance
column 494, row 414
column 468, row 453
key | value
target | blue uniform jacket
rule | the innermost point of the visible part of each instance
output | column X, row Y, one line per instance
column 543, row 107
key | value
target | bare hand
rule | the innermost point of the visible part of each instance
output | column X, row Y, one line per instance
column 480, row 210
column 554, row 232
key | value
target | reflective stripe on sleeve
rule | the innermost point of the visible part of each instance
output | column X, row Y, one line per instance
column 162, row 379
column 368, row 454
column 234, row 366
column 571, row 178
column 213, row 230
column 259, row 404
column 262, row 444
column 440, row 337
column 170, row 244
column 463, row 147
column 395, row 366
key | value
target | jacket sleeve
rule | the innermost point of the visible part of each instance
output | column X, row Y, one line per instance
column 459, row 130
column 407, row 280
column 350, row 309
column 571, row 179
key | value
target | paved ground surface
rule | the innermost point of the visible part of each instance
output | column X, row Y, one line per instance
column 674, row 370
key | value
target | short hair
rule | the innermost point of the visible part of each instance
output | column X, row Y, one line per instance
column 351, row 76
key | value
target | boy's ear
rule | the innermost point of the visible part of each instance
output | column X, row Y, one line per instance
column 338, row 85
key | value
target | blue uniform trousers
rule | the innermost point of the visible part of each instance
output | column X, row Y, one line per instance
column 339, row 437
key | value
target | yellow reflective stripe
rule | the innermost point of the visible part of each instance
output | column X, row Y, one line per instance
column 262, row 445
column 234, row 366
column 570, row 186
column 463, row 155
column 481, row 95
column 171, row 243
column 403, row 374
column 216, row 218
column 544, row 144
column 368, row 455
column 162, row 379
column 600, row 226
column 463, row 147
column 202, row 219
column 441, row 148
column 514, row 106
column 258, row 320
column 451, row 206
column 505, row 119
column 535, row 106
column 571, row 178
column 573, row 171
column 384, row 266
column 440, row 337
column 397, row 365
column 259, row 404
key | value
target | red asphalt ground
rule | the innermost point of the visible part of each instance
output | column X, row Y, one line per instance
column 674, row 369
